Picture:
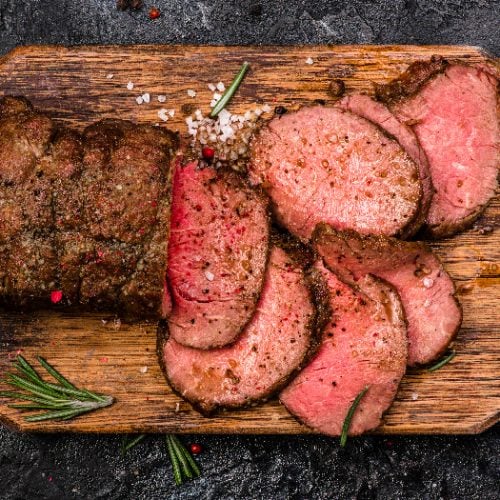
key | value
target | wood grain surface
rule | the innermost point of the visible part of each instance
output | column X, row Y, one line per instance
column 99, row 352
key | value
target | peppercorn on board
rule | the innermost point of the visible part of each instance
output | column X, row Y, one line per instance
column 80, row 85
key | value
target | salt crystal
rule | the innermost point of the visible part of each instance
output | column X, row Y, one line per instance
column 162, row 98
column 103, row 321
column 117, row 323
column 138, row 99
column 213, row 102
column 198, row 114
column 216, row 96
column 212, row 87
column 130, row 86
column 266, row 108
column 414, row 396
column 171, row 112
column 221, row 87
column 191, row 93
column 209, row 276
column 143, row 369
column 119, row 187
column 109, row 76
column 428, row 282
column 146, row 98
column 309, row 60
column 177, row 407
column 162, row 114
column 258, row 112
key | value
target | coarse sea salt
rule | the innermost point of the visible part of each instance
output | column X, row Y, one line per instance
column 130, row 86
column 428, row 282
column 162, row 98
column 191, row 93
column 209, row 276
column 139, row 99
column 212, row 87
column 309, row 60
column 146, row 97
column 220, row 87
column 109, row 76
column 163, row 114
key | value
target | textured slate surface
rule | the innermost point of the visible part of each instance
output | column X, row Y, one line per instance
column 64, row 467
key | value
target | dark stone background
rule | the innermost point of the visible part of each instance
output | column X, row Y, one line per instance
column 90, row 467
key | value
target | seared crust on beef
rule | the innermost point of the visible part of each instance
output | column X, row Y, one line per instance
column 428, row 293
column 454, row 110
column 85, row 215
column 198, row 382
column 410, row 81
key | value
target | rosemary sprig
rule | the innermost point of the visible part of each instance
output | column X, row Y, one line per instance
column 62, row 401
column 228, row 94
column 442, row 362
column 347, row 422
column 129, row 442
column 183, row 464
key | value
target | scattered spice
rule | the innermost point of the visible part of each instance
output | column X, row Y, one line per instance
column 350, row 414
column 336, row 88
column 208, row 153
column 280, row 110
column 442, row 362
column 195, row 448
column 309, row 60
column 154, row 13
column 56, row 296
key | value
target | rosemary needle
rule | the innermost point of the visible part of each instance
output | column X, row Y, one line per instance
column 129, row 442
column 175, row 461
column 62, row 401
column 442, row 362
column 228, row 94
column 347, row 422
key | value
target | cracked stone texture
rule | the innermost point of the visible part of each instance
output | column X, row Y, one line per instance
column 91, row 467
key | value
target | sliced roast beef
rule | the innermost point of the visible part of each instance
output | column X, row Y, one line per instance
column 328, row 164
column 426, row 290
column 87, row 216
column 380, row 114
column 363, row 345
column 454, row 111
column 218, row 251
column 270, row 349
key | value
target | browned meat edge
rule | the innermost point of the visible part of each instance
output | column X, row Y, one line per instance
column 417, row 245
column 408, row 84
column 302, row 255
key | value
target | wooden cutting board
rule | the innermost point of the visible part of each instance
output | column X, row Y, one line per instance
column 80, row 85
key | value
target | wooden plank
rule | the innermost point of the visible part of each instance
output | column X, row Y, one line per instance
column 72, row 85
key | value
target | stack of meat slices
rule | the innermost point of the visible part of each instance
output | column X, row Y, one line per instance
column 344, row 312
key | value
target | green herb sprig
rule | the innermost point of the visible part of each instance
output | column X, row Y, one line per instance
column 348, row 419
column 62, row 401
column 183, row 464
column 442, row 362
column 228, row 94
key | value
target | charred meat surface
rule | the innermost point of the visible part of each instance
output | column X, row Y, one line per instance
column 363, row 345
column 426, row 290
column 380, row 114
column 327, row 164
column 85, row 215
column 454, row 111
column 263, row 358
column 218, row 251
